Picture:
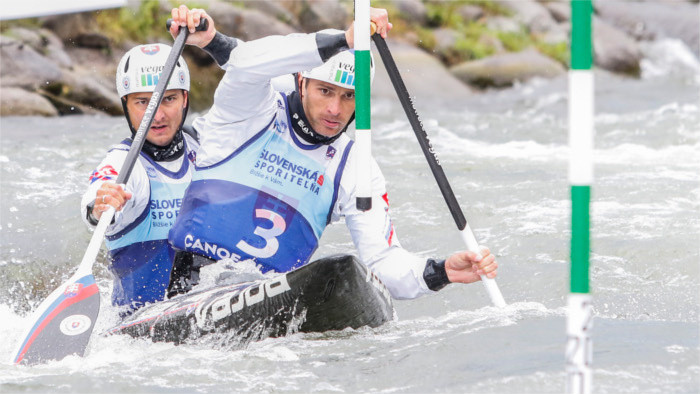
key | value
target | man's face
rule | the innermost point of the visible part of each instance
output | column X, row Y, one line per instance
column 167, row 119
column 328, row 107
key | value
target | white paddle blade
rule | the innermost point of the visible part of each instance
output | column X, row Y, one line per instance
column 63, row 323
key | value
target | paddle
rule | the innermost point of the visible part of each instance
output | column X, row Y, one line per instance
column 62, row 324
column 434, row 163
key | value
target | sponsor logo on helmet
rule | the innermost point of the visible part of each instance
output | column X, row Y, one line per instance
column 181, row 77
column 345, row 74
column 149, row 79
column 126, row 83
column 150, row 49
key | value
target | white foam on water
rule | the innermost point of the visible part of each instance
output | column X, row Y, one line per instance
column 231, row 272
column 476, row 320
column 668, row 56
column 627, row 153
column 540, row 218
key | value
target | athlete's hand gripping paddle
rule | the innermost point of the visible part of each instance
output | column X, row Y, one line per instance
column 434, row 163
column 64, row 321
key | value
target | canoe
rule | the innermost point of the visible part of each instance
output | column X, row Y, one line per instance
column 332, row 293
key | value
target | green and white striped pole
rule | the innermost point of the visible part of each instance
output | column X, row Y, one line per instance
column 363, row 134
column 579, row 347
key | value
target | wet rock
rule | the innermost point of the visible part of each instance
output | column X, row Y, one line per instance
column 255, row 25
column 412, row 11
column 22, row 66
column 245, row 24
column 55, row 50
column 614, row 50
column 79, row 30
column 559, row 33
column 654, row 20
column 317, row 15
column 531, row 14
column 97, row 64
column 504, row 24
column 490, row 41
column 92, row 40
column 65, row 106
column 44, row 42
column 275, row 10
column 506, row 68
column 445, row 41
column 82, row 89
column 19, row 102
column 445, row 37
column 470, row 13
column 561, row 11
column 422, row 73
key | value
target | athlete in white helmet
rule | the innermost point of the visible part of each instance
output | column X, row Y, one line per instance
column 274, row 169
column 148, row 204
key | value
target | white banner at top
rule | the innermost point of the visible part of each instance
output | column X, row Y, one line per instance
column 36, row 8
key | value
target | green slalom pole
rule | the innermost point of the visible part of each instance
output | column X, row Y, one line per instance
column 363, row 134
column 579, row 347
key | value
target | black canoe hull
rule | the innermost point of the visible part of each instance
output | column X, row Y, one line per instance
column 328, row 294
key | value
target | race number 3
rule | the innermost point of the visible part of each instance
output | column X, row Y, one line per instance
column 268, row 234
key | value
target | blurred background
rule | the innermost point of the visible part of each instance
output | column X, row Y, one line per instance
column 65, row 64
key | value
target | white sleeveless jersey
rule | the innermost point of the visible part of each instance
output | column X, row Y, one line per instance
column 141, row 257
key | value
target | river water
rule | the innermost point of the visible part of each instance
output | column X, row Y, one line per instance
column 506, row 155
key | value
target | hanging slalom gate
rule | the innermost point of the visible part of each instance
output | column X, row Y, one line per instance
column 579, row 347
column 363, row 134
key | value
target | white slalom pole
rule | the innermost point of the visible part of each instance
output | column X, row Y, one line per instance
column 579, row 347
column 363, row 133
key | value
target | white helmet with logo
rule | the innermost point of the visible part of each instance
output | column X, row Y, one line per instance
column 339, row 70
column 140, row 68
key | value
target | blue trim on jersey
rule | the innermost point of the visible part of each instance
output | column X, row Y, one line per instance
column 175, row 175
column 134, row 224
column 336, row 181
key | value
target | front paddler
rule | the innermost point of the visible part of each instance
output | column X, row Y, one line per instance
column 274, row 169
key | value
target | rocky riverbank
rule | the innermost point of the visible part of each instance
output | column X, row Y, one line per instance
column 65, row 64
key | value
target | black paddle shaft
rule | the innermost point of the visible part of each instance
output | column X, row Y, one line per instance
column 156, row 98
column 418, row 129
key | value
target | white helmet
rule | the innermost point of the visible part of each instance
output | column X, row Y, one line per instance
column 339, row 70
column 141, row 67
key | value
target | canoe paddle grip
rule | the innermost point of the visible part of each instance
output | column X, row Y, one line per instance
column 203, row 24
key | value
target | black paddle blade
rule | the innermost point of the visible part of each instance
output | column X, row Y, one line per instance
column 64, row 322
